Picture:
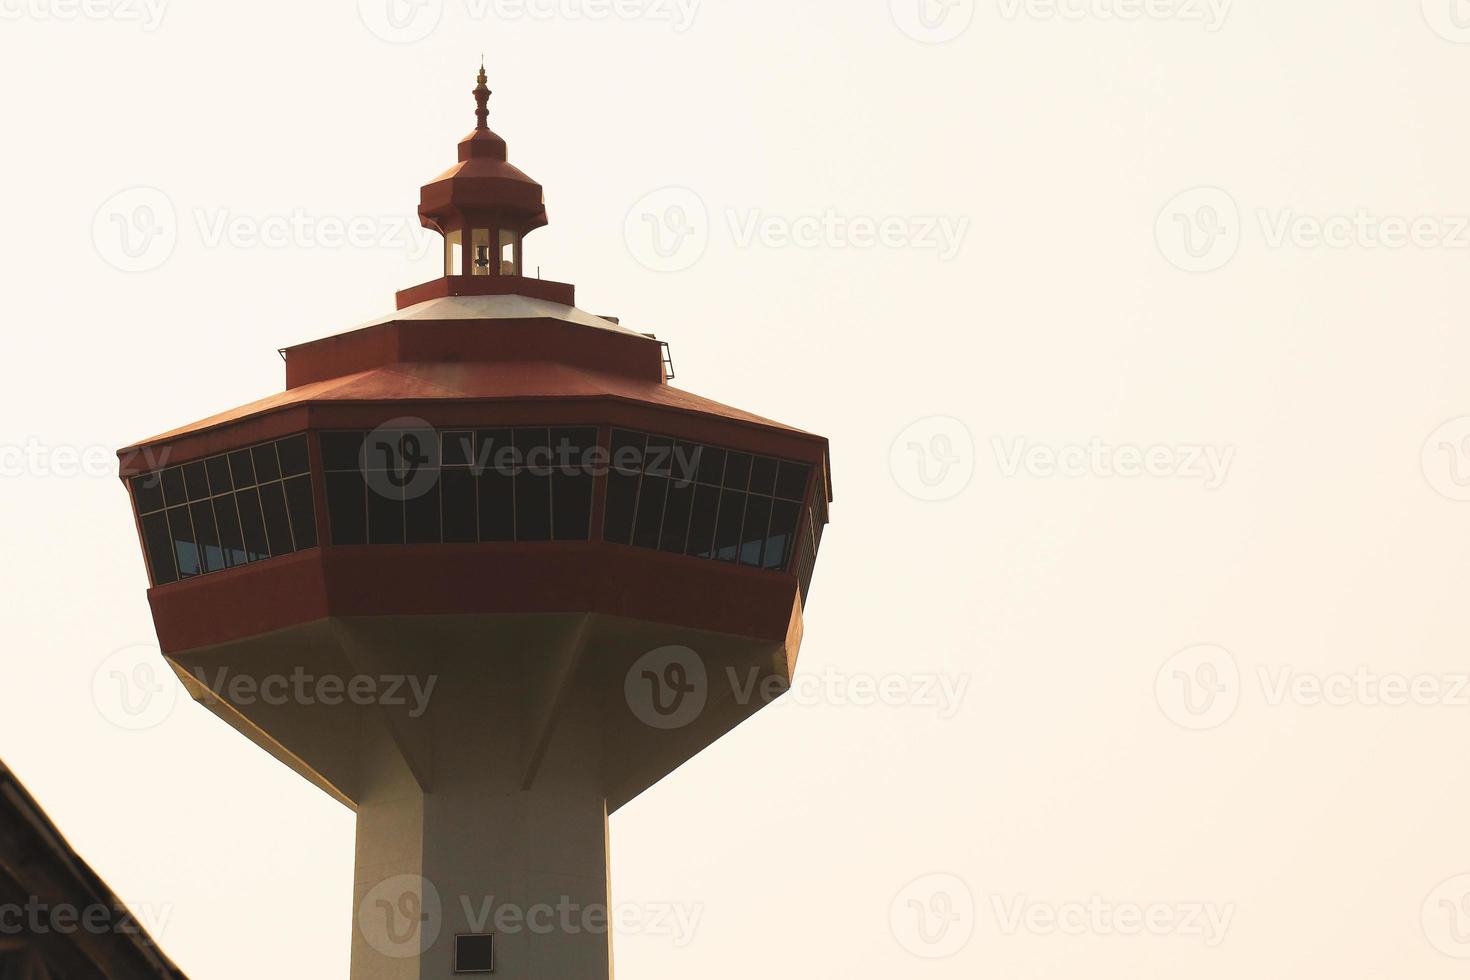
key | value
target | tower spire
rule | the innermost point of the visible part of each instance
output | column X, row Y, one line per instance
column 482, row 97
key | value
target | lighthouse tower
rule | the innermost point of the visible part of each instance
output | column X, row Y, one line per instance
column 483, row 575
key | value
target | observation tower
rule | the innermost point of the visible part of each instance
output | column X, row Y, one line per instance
column 481, row 574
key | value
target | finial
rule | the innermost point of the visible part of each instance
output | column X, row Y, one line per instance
column 482, row 97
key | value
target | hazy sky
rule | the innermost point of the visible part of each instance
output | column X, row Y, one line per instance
column 1138, row 331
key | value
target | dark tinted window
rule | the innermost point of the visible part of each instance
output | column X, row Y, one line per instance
column 572, row 482
column 302, row 508
column 347, row 507
column 207, row 535
column 267, row 467
column 196, row 481
column 160, row 548
column 219, row 474
column 228, row 510
column 227, row 518
column 294, row 457
column 703, row 501
column 277, row 523
column 147, row 493
column 252, row 525
column 242, row 470
column 186, row 549
column 461, row 520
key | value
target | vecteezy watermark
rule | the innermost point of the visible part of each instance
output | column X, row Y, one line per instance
column 1201, row 687
column 401, row 916
column 1211, row 14
column 933, row 21
column 138, row 230
column 147, row 14
column 404, row 458
column 1445, row 459
column 405, row 915
column 829, row 230
column 669, row 688
column 303, row 688
column 933, row 917
column 299, row 229
column 1207, row 464
column 35, row 917
column 942, row 693
column 670, row 229
column 933, row 459
column 1362, row 228
column 134, row 688
column 35, row 458
column 410, row 21
column 1208, row 922
column 1201, row 230
column 1450, row 19
column 1445, row 917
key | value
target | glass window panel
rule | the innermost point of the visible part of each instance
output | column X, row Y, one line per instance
column 219, row 474
column 347, row 507
column 571, row 497
column 273, row 509
column 727, row 532
column 627, row 450
column 572, row 483
column 658, row 457
column 497, row 505
column 267, row 467
column 459, row 448
column 711, row 465
column 533, row 507
column 186, row 550
column 702, row 521
column 207, row 536
column 242, row 471
column 302, row 509
column 196, row 480
column 160, row 547
column 791, row 482
column 763, row 475
column 421, row 517
column 684, row 462
column 461, row 525
column 676, row 517
column 650, row 518
column 495, row 450
column 293, row 454
column 753, row 535
column 533, row 450
column 385, row 519
column 533, row 485
column 737, row 471
column 148, row 492
column 341, row 450
column 783, row 530
column 622, row 493
column 572, row 449
column 252, row 525
column 231, row 540
column 173, row 486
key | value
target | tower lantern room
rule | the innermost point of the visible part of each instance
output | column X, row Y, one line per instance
column 483, row 206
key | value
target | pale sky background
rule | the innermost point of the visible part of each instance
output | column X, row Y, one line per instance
column 1328, row 838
